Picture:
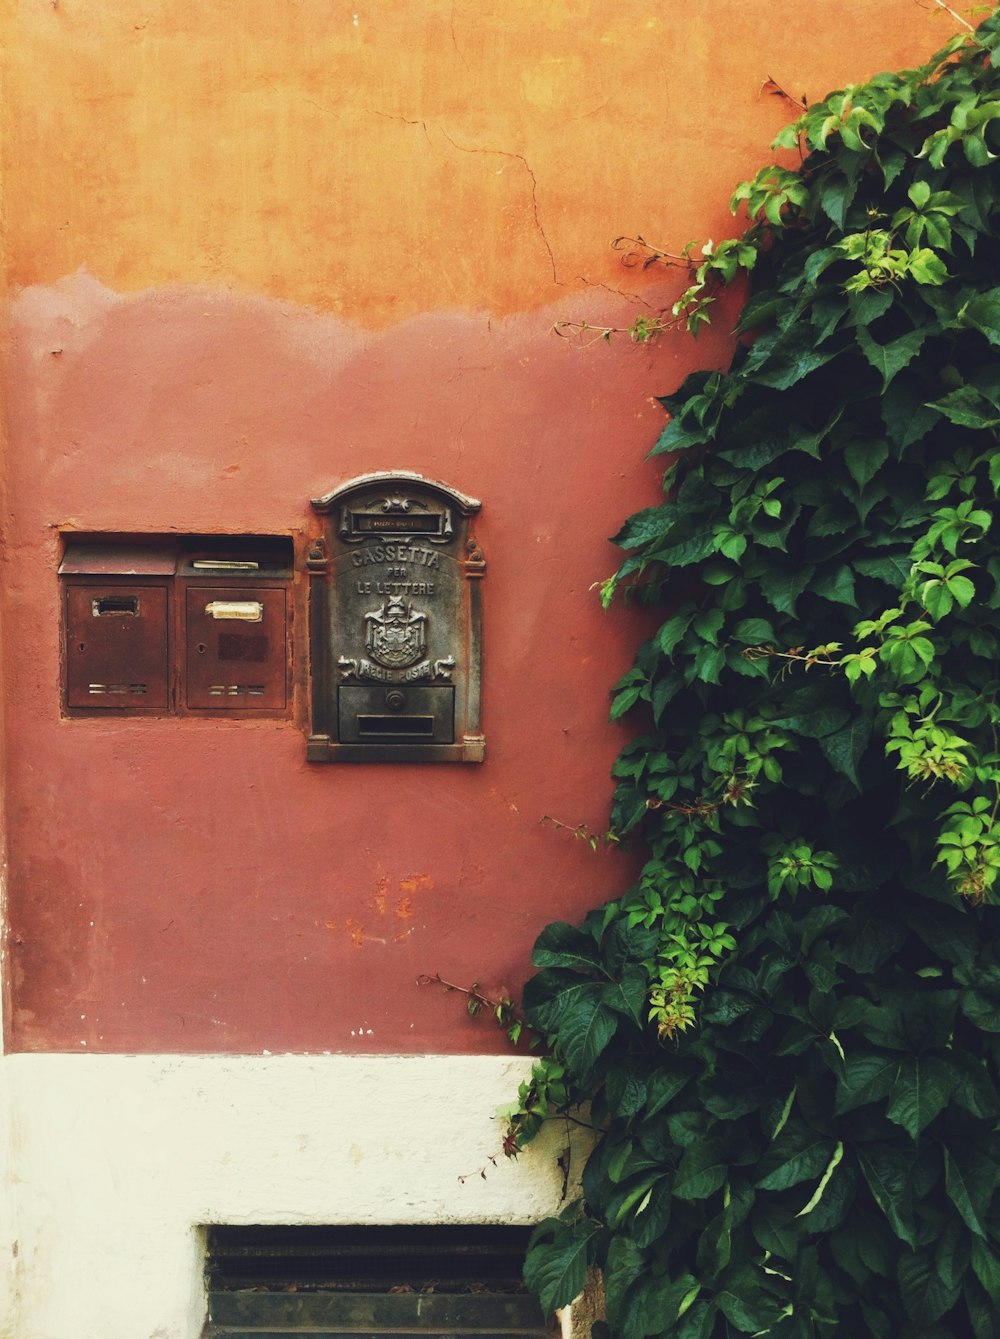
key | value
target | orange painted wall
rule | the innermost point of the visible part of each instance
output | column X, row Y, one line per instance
column 253, row 250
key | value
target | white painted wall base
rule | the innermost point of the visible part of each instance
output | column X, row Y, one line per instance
column 115, row 1162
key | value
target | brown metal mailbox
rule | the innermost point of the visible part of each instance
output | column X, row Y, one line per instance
column 396, row 636
column 196, row 625
column 236, row 630
column 116, row 621
column 235, row 648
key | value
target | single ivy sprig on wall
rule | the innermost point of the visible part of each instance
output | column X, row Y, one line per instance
column 788, row 1030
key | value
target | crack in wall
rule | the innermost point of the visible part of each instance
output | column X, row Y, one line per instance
column 406, row 120
column 454, row 39
column 618, row 292
column 502, row 153
column 520, row 158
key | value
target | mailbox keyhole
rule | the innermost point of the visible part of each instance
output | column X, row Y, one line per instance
column 201, row 648
column 395, row 700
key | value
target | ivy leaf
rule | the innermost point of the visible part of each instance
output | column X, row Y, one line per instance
column 625, row 1091
column 845, row 748
column 967, row 408
column 561, row 1004
column 890, row 570
column 666, row 1083
column 986, row 1265
column 657, row 1303
column 746, row 1303
column 983, row 1316
column 673, row 631
column 628, row 944
column 556, row 1271
column 867, row 1077
column 838, row 584
column 927, row 267
column 562, row 945
column 921, row 1092
column 865, row 459
column 627, row 995
column 969, row 1183
column 925, row 1294
column 975, row 1091
column 650, row 1223
column 888, row 359
column 715, row 1246
column 685, row 552
column 753, row 632
column 702, row 1171
column 782, row 362
column 781, row 587
column 623, row 1266
column 835, row 195
column 904, row 411
column 798, row 1154
column 808, row 712
column 982, row 313
column 584, row 1033
column 646, row 526
column 886, row 1169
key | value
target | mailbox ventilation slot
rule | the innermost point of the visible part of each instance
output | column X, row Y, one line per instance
column 97, row 688
column 408, row 1282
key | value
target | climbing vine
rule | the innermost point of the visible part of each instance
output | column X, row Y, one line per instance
column 787, row 1032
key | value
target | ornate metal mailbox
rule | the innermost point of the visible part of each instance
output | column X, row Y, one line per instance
column 395, row 624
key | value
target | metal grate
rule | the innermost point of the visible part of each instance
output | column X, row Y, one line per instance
column 365, row 1282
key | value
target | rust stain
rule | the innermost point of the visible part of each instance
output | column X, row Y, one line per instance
column 417, row 883
column 381, row 894
column 404, row 908
column 329, row 925
column 356, row 932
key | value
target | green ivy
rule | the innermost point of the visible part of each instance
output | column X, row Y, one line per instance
column 788, row 1031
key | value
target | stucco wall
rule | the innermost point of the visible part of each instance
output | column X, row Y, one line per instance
column 255, row 250
column 114, row 1183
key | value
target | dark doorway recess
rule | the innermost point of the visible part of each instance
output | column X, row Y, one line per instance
column 369, row 1282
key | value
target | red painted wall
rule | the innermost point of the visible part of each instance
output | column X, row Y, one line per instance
column 195, row 884
column 190, row 356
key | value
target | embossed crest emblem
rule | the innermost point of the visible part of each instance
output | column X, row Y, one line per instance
column 396, row 634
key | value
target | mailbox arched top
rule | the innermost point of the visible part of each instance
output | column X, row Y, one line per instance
column 395, row 480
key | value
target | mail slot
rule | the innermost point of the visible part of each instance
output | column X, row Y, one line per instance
column 116, row 624
column 418, row 715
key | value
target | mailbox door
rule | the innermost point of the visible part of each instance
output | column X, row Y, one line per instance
column 396, row 715
column 236, row 656
column 117, row 651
